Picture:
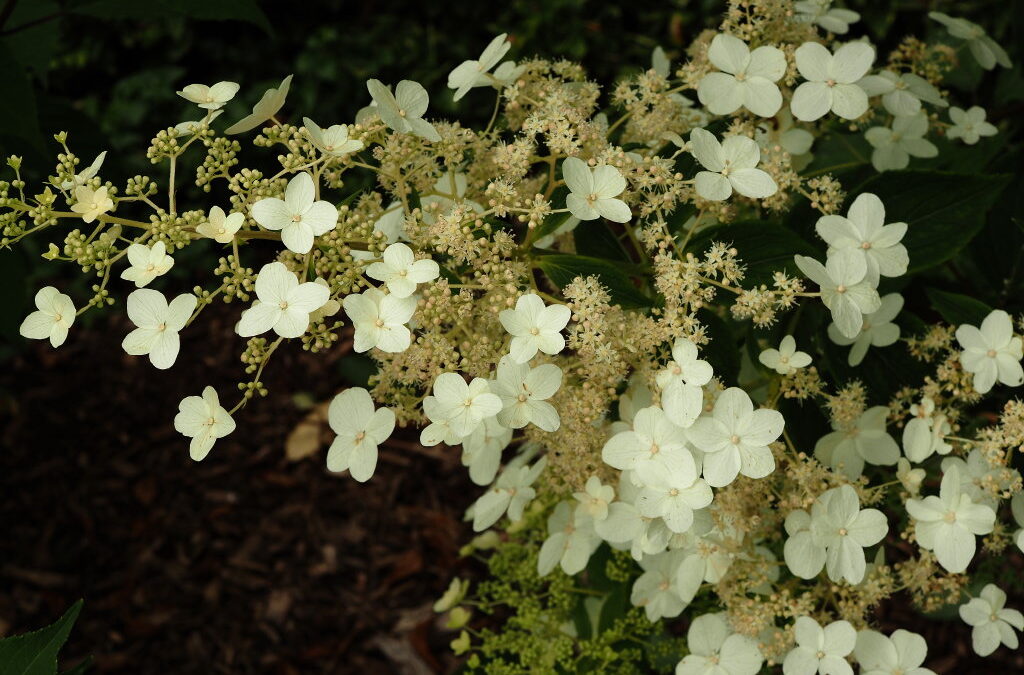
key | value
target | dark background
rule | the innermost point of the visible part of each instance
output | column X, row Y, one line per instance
column 248, row 563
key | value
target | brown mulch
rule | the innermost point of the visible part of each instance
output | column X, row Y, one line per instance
column 245, row 562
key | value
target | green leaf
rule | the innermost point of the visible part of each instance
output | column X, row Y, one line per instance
column 220, row 10
column 722, row 351
column 36, row 653
column 956, row 308
column 839, row 153
column 763, row 247
column 943, row 210
column 562, row 269
column 597, row 239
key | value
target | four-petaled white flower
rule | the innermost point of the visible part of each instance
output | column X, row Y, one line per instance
column 716, row 650
column 992, row 622
column 735, row 438
column 983, row 48
column 821, row 12
column 820, row 650
column 876, row 329
column 593, row 192
column 992, row 352
column 866, row 440
column 534, row 327
column 524, row 392
column 210, row 98
column 901, row 654
column 731, row 165
column 970, row 125
column 509, row 494
column 470, row 73
column 282, row 304
column 747, row 79
column 831, row 80
column 158, row 324
column 91, row 204
column 571, row 540
column 55, row 312
column 785, row 360
column 657, row 589
column 863, row 233
column 844, row 530
column 299, row 216
column 804, row 556
column 379, row 320
column 403, row 110
column 360, row 430
column 465, row 404
column 147, row 263
column 204, row 420
column 673, row 494
column 268, row 105
column 595, row 498
column 947, row 524
column 845, row 289
column 682, row 381
column 333, row 141
column 902, row 94
column 894, row 147
column 650, row 447
column 400, row 271
column 924, row 434
column 219, row 227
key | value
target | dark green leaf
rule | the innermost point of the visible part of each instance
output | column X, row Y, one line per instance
column 597, row 239
column 956, row 308
column 722, row 352
column 562, row 269
column 763, row 247
column 36, row 653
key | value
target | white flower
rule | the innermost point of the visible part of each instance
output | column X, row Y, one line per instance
column 283, row 304
column 908, row 477
column 730, row 166
column 202, row 419
column 469, row 74
column 901, row 94
column 803, row 555
column 82, row 177
column 924, row 433
column 299, row 216
column 465, row 405
column 593, row 192
column 992, row 353
column 894, row 147
column 158, row 325
column 481, row 450
column 673, row 494
column 656, row 590
column 524, row 392
column 91, row 204
column 969, row 126
column 571, row 540
column 265, row 108
column 844, row 530
column 901, row 654
column 866, row 440
column 863, row 233
column 219, row 227
column 831, row 80
column 993, row 623
column 653, row 444
column 53, row 317
column 210, row 98
column 403, row 110
column 785, row 360
column 735, row 438
column 682, row 381
column 983, row 48
column 400, row 271
column 747, row 79
column 716, row 650
column 845, row 289
column 534, row 327
column 440, row 431
column 876, row 329
column 947, row 524
column 510, row 494
column 821, row 12
column 379, row 320
column 595, row 499
column 979, row 479
column 333, row 141
column 147, row 263
column 820, row 650
column 360, row 430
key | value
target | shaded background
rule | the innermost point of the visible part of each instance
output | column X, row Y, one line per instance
column 248, row 563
